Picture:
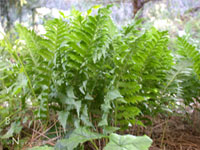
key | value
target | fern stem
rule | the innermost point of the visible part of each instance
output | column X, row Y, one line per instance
column 173, row 78
column 29, row 81
column 10, row 51
column 94, row 144
column 163, row 135
column 116, row 109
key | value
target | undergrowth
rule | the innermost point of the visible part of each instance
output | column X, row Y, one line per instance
column 84, row 79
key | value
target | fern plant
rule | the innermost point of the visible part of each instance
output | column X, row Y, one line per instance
column 87, row 71
column 177, row 90
column 191, row 55
column 84, row 65
column 190, row 51
column 148, row 61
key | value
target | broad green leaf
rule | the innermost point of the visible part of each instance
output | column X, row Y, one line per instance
column 15, row 128
column 85, row 84
column 110, row 129
column 75, row 104
column 81, row 89
column 113, row 94
column 70, row 93
column 88, row 97
column 105, row 107
column 85, row 117
column 104, row 121
column 78, row 136
column 128, row 142
column 42, row 148
column 76, row 123
column 9, row 133
column 62, row 117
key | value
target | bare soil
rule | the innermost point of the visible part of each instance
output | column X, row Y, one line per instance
column 171, row 133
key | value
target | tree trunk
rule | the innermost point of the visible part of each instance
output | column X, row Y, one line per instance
column 8, row 20
column 137, row 5
column 33, row 18
column 5, row 18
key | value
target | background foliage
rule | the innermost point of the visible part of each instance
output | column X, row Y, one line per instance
column 93, row 77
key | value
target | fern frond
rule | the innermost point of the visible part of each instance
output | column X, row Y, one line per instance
column 190, row 51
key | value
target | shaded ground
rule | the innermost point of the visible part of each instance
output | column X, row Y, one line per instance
column 168, row 133
column 174, row 133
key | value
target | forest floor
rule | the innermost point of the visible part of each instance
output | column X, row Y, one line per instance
column 167, row 133
column 171, row 133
